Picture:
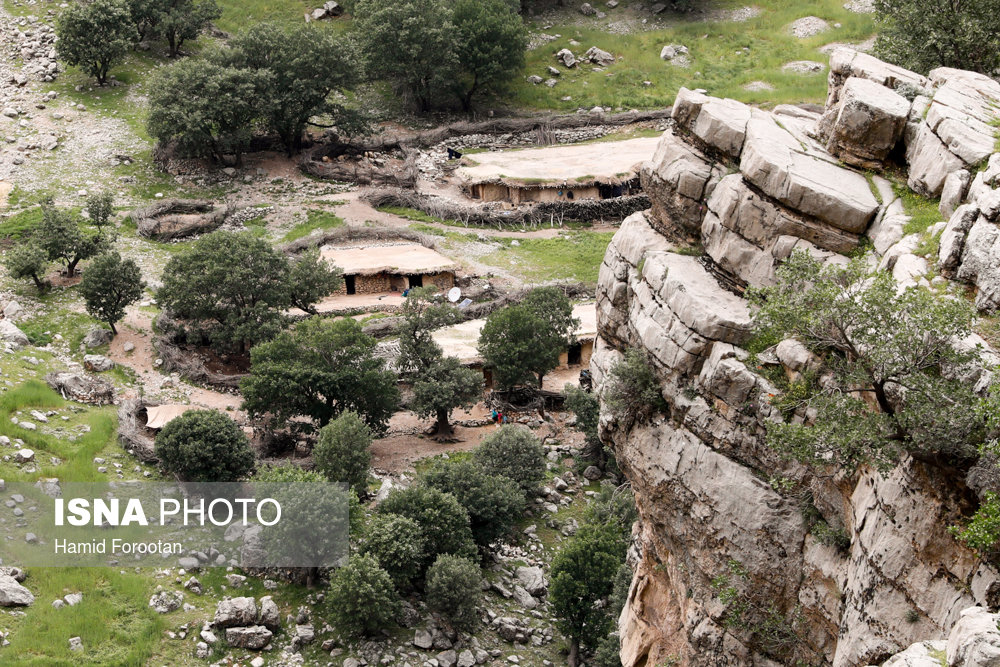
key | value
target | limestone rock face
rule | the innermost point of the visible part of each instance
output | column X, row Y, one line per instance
column 868, row 122
column 716, row 521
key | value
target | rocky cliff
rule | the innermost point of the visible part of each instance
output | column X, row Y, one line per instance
column 743, row 558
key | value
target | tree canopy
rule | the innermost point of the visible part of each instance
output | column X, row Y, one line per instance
column 443, row 387
column 109, row 286
column 435, row 51
column 234, row 288
column 343, row 452
column 95, row 36
column 897, row 347
column 204, row 446
column 320, row 369
column 924, row 34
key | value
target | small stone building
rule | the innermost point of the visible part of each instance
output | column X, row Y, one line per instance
column 556, row 173
column 391, row 268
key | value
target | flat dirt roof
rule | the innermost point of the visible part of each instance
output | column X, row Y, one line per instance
column 580, row 164
column 461, row 340
column 404, row 258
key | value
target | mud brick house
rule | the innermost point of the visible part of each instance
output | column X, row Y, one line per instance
column 390, row 268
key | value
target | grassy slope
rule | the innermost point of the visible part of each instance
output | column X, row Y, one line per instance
column 719, row 62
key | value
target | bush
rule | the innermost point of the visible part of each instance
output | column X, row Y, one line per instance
column 587, row 410
column 494, row 502
column 362, row 599
column 454, row 589
column 28, row 260
column 515, row 453
column 397, row 543
column 204, row 446
column 922, row 34
column 632, row 392
column 343, row 453
column 442, row 520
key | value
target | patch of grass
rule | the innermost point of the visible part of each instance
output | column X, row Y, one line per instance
column 724, row 56
column 20, row 225
column 572, row 256
column 114, row 621
column 42, row 329
column 923, row 212
column 314, row 220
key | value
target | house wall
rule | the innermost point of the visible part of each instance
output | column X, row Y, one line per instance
column 586, row 351
column 516, row 195
column 443, row 281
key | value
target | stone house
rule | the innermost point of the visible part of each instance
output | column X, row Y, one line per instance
column 391, row 268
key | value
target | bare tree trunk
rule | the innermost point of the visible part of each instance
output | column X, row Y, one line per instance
column 574, row 653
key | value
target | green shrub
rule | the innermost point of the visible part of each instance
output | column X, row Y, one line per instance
column 343, row 453
column 362, row 599
column 442, row 520
column 513, row 452
column 494, row 502
column 454, row 589
column 632, row 392
column 397, row 543
column 204, row 446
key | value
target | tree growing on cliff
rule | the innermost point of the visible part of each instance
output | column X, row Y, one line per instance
column 320, row 369
column 894, row 363
column 95, row 36
column 109, row 286
column 924, row 34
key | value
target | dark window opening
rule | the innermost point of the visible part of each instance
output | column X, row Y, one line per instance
column 569, row 195
column 415, row 280
column 349, row 284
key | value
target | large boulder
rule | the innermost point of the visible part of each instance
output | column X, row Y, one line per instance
column 532, row 579
column 846, row 62
column 719, row 124
column 975, row 640
column 97, row 363
column 9, row 333
column 254, row 637
column 599, row 56
column 235, row 612
column 980, row 265
column 774, row 161
column 952, row 244
column 82, row 388
column 97, row 337
column 867, row 123
column 13, row 594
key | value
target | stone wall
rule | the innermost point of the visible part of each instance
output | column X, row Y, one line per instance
column 750, row 187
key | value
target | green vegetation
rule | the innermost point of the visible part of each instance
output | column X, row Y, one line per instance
column 234, row 287
column 343, row 452
column 923, row 212
column 515, row 453
column 443, row 521
column 921, row 35
column 96, row 36
column 320, row 369
column 453, row 590
column 570, row 256
column 585, row 570
column 872, row 337
column 633, row 392
column 523, row 342
column 204, row 446
column 443, row 387
column 494, row 502
column 724, row 57
column 315, row 220
column 362, row 599
column 397, row 543
column 110, row 285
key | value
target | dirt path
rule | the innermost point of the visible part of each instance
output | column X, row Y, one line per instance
column 137, row 329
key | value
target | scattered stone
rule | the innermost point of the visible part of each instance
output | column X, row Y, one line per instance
column 804, row 67
column 13, row 594
column 9, row 333
column 587, row 10
column 97, row 363
column 808, row 26
column 97, row 337
column 566, row 57
column 75, row 644
column 165, row 602
column 254, row 637
column 599, row 56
